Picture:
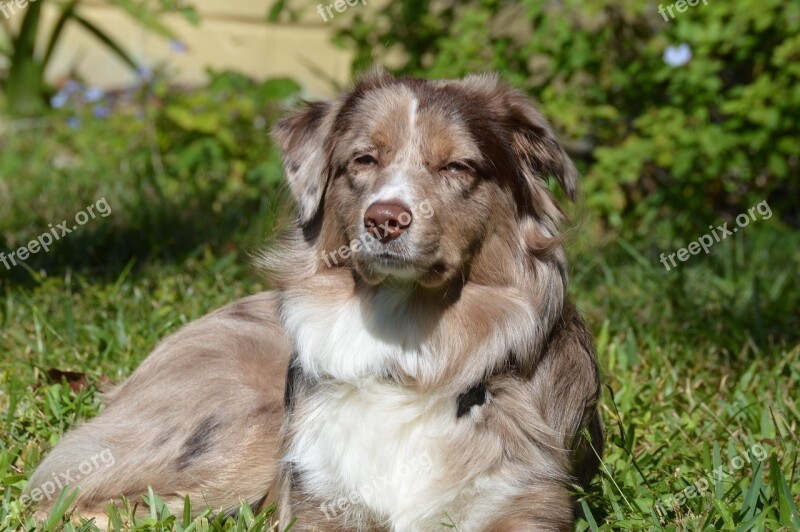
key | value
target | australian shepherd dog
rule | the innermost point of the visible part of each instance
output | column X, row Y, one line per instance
column 417, row 365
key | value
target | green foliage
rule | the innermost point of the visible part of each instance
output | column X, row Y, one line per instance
column 657, row 142
column 161, row 158
column 222, row 132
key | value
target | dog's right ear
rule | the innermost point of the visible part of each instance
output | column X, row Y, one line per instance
column 302, row 137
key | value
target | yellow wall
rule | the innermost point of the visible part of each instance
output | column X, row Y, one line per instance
column 232, row 34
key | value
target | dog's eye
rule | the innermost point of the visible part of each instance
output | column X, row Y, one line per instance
column 455, row 168
column 366, row 160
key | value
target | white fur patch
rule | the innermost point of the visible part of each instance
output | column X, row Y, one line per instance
column 396, row 189
column 353, row 339
column 413, row 107
column 375, row 449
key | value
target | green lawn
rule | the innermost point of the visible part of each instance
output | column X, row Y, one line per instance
column 701, row 364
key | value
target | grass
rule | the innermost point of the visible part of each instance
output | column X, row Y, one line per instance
column 701, row 364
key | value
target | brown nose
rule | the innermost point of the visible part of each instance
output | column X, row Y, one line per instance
column 387, row 221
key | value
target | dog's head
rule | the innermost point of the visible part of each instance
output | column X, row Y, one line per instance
column 409, row 179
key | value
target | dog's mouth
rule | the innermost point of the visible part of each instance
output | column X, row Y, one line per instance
column 391, row 264
column 388, row 266
column 404, row 260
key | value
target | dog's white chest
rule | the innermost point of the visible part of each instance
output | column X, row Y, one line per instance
column 377, row 449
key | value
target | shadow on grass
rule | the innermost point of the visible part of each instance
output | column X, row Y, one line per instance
column 741, row 298
column 154, row 232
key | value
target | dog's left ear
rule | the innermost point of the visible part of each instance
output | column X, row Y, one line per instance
column 536, row 146
column 302, row 137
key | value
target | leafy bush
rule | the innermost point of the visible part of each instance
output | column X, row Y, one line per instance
column 221, row 132
column 708, row 135
column 165, row 159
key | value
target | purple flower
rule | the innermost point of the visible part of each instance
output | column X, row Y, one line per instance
column 676, row 56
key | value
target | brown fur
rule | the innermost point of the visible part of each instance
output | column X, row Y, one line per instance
column 488, row 305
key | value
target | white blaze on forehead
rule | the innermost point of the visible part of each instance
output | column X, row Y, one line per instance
column 412, row 116
column 398, row 187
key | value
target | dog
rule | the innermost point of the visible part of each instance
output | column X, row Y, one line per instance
column 416, row 366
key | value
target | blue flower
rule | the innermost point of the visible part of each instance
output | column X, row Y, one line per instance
column 93, row 94
column 178, row 46
column 101, row 111
column 144, row 72
column 74, row 122
column 59, row 100
column 676, row 56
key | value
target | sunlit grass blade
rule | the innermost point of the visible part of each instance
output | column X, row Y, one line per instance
column 62, row 504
